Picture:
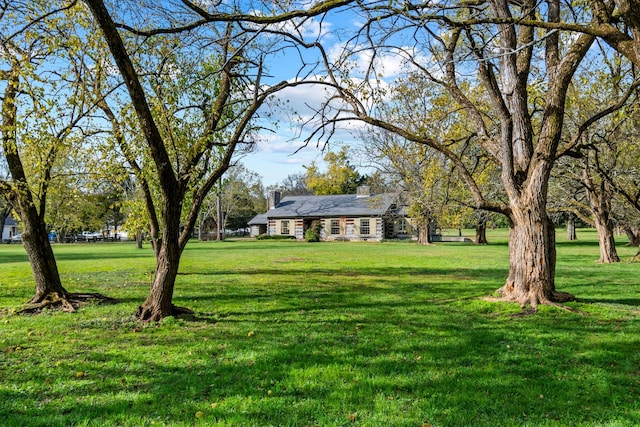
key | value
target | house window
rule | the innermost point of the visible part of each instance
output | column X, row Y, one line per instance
column 335, row 226
column 284, row 227
column 364, row 227
column 402, row 225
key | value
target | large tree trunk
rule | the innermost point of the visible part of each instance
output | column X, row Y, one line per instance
column 633, row 234
column 158, row 304
column 43, row 263
column 607, row 243
column 423, row 236
column 532, row 257
column 599, row 197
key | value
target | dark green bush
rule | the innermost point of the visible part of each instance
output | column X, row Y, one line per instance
column 276, row 237
column 313, row 233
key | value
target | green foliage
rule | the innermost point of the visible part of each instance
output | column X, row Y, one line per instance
column 276, row 237
column 49, row 137
column 313, row 233
column 435, row 189
column 341, row 177
column 365, row 334
column 137, row 221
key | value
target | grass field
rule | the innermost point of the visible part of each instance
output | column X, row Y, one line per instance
column 325, row 334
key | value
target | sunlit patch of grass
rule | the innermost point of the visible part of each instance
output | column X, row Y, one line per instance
column 328, row 334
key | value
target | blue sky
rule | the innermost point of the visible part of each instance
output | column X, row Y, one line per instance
column 279, row 154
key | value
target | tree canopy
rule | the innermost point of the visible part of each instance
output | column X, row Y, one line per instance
column 341, row 177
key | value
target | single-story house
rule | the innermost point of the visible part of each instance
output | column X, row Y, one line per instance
column 361, row 216
column 10, row 229
column 258, row 225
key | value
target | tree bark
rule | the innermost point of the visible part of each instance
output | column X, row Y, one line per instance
column 481, row 231
column 633, row 234
column 169, row 250
column 607, row 243
column 34, row 235
column 599, row 197
column 158, row 304
column 424, row 227
column 43, row 264
column 571, row 228
column 4, row 213
column 532, row 256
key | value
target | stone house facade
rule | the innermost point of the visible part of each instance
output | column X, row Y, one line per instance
column 350, row 217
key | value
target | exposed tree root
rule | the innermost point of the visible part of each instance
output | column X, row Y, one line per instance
column 530, row 302
column 148, row 313
column 69, row 303
column 563, row 297
column 181, row 311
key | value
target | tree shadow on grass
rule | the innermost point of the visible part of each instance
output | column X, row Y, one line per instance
column 619, row 301
column 395, row 272
column 13, row 257
column 387, row 370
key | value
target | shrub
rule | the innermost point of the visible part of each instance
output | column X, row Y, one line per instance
column 276, row 237
column 313, row 233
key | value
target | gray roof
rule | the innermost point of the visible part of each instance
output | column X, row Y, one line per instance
column 259, row 219
column 9, row 221
column 332, row 206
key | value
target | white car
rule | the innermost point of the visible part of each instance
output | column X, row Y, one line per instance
column 91, row 236
column 16, row 238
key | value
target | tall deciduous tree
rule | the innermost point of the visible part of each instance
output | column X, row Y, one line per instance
column 435, row 192
column 187, row 158
column 595, row 116
column 43, row 105
column 416, row 171
column 294, row 184
column 242, row 197
column 616, row 165
column 341, row 177
column 520, row 132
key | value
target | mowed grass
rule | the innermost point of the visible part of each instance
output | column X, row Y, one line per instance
column 324, row 334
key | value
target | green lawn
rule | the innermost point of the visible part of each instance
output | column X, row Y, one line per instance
column 324, row 334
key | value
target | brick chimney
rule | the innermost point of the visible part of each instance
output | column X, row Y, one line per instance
column 274, row 199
